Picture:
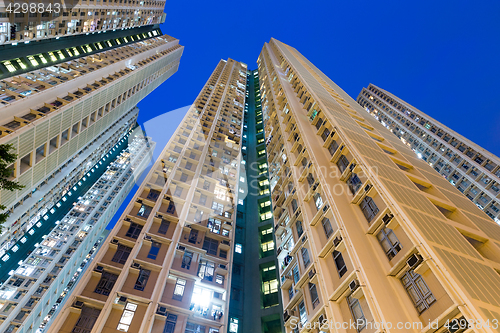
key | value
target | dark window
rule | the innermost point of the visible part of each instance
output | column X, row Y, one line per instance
column 106, row 283
column 300, row 229
column 332, row 148
column 86, row 320
column 327, row 227
column 314, row 294
column 342, row 163
column 142, row 280
column 223, row 254
column 357, row 313
column 121, row 254
column 339, row 263
column 193, row 236
column 163, row 227
column 389, row 242
column 153, row 252
column 210, row 245
column 186, row 260
column 305, row 256
column 134, row 230
column 170, row 323
column 354, row 183
column 418, row 291
column 369, row 208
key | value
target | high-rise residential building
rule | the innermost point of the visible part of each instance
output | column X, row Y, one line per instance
column 367, row 232
column 66, row 104
column 166, row 266
column 280, row 204
column 470, row 168
column 33, row 292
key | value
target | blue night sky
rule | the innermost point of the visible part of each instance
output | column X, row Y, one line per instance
column 440, row 56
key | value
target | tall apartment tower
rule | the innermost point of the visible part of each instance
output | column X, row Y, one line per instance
column 470, row 168
column 68, row 105
column 367, row 232
column 166, row 265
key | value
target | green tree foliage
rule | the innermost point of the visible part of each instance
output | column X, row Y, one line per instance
column 6, row 158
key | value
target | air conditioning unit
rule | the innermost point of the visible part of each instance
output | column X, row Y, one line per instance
column 368, row 187
column 78, row 304
column 217, row 295
column 387, row 218
column 223, row 266
column 354, row 285
column 122, row 300
column 311, row 273
column 99, row 269
column 352, row 166
column 325, row 208
column 139, row 201
column 147, row 237
column 161, row 310
column 414, row 260
column 167, row 198
column 136, row 265
column 181, row 248
column 304, row 239
column 337, row 241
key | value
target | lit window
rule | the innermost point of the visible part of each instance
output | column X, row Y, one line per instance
column 33, row 60
column 180, row 285
column 61, row 55
column 127, row 316
column 267, row 246
column 52, row 56
column 240, row 201
column 21, row 64
column 9, row 66
column 270, row 287
column 238, row 248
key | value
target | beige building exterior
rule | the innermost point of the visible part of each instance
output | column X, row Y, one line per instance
column 473, row 170
column 166, row 265
column 366, row 231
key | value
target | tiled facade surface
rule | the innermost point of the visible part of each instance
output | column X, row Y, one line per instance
column 366, row 230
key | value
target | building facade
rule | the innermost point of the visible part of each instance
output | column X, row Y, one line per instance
column 255, row 304
column 166, row 265
column 32, row 293
column 471, row 169
column 369, row 237
column 66, row 105
column 62, row 118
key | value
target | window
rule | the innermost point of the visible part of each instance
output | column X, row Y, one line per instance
column 194, row 328
column 186, row 260
column 389, row 242
column 142, row 280
column 106, row 283
column 178, row 191
column 300, row 230
column 210, row 245
column 267, row 246
column 270, row 287
column 153, row 252
column 332, row 148
column 369, row 208
column 354, row 183
column 180, row 285
column 327, row 227
column 295, row 274
column 214, row 225
column 86, row 320
column 134, row 230
column 314, row 294
column 184, row 177
column 305, row 256
column 318, row 200
column 357, row 313
column 170, row 323
column 238, row 248
column 339, row 263
column 193, row 236
column 418, row 291
column 163, row 227
column 144, row 211
column 294, row 205
column 233, row 325
column 127, row 316
column 203, row 199
column 121, row 254
column 342, row 163
column 302, row 313
column 206, row 270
